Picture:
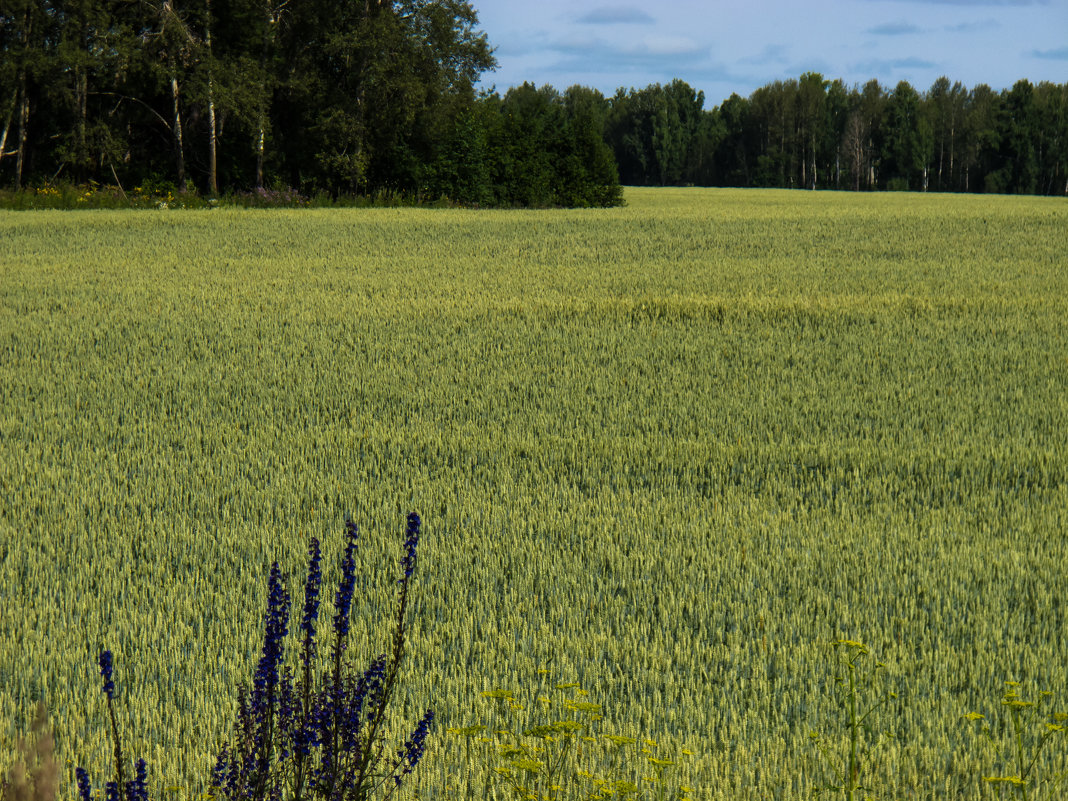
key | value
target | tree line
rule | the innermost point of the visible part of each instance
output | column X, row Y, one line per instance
column 345, row 98
column 373, row 96
column 819, row 134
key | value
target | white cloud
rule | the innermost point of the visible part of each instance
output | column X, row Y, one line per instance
column 894, row 29
column 664, row 45
column 1060, row 54
column 616, row 15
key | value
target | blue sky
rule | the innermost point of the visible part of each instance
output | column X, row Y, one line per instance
column 720, row 47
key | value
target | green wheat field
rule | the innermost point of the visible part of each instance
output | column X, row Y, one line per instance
column 670, row 451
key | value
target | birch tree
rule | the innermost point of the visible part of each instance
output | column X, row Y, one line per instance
column 169, row 40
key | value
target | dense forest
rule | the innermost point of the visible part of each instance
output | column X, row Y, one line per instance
column 316, row 95
column 819, row 134
column 373, row 96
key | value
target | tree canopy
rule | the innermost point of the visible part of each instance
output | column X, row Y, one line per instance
column 370, row 96
column 345, row 98
column 817, row 133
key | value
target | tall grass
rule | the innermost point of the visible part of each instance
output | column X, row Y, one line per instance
column 667, row 451
column 292, row 741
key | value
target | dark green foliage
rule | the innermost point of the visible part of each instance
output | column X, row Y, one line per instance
column 819, row 134
column 223, row 96
column 660, row 135
column 588, row 171
column 909, row 144
column 377, row 99
column 547, row 149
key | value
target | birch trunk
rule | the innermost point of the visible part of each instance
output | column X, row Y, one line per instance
column 24, row 120
column 166, row 16
column 259, row 154
column 7, row 125
column 952, row 133
column 271, row 16
column 213, row 169
column 815, row 176
column 941, row 158
column 179, row 148
column 23, row 105
column 213, row 173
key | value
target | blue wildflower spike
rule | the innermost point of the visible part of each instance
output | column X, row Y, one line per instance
column 105, row 671
column 323, row 744
column 83, row 783
column 343, row 599
column 311, row 599
column 408, row 560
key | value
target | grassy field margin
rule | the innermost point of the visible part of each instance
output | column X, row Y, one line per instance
column 669, row 451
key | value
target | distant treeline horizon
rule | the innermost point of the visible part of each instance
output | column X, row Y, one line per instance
column 817, row 133
column 224, row 96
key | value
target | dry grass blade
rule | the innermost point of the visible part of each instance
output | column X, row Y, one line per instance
column 38, row 781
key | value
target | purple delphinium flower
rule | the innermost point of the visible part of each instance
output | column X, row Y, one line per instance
column 111, row 791
column 343, row 599
column 311, row 600
column 219, row 772
column 373, row 681
column 265, row 682
column 282, row 716
column 407, row 567
column 83, row 783
column 299, row 711
column 408, row 560
column 137, row 789
column 109, row 690
column 413, row 749
column 306, row 731
column 235, row 772
column 105, row 671
column 276, row 620
column 331, row 706
column 368, row 689
column 287, row 712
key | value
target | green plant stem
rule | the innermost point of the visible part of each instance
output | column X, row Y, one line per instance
column 853, row 726
column 1017, row 730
